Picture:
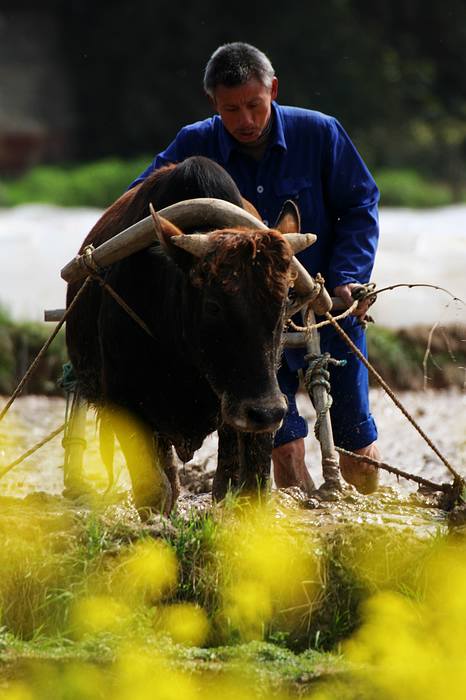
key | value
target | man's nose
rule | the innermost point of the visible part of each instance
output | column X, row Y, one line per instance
column 246, row 118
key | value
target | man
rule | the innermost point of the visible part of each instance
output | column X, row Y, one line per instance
column 275, row 153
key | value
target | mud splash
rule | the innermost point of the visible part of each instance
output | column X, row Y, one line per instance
column 388, row 508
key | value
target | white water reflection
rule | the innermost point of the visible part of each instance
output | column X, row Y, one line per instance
column 421, row 246
column 36, row 241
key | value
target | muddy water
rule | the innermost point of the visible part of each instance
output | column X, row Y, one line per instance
column 441, row 414
column 29, row 420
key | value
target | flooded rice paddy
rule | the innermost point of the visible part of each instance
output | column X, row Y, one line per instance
column 441, row 414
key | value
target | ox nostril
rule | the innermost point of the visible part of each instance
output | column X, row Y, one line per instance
column 265, row 417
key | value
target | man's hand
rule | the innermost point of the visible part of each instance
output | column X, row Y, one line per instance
column 344, row 292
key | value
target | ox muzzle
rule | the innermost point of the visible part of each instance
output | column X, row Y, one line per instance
column 262, row 415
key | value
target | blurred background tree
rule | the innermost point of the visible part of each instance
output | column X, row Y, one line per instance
column 392, row 72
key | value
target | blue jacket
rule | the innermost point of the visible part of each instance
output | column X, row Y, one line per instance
column 311, row 160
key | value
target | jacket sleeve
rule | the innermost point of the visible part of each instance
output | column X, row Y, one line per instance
column 353, row 200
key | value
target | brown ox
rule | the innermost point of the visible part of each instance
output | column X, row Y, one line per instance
column 215, row 310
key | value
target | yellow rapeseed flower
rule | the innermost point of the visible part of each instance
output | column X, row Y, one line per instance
column 269, row 567
column 99, row 613
column 186, row 624
column 148, row 571
column 16, row 691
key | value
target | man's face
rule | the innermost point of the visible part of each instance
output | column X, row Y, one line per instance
column 245, row 109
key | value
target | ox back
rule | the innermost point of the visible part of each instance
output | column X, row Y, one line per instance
column 211, row 358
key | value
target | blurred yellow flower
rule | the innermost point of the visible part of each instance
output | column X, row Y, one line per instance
column 248, row 607
column 146, row 676
column 99, row 613
column 16, row 691
column 269, row 567
column 411, row 649
column 186, row 624
column 149, row 570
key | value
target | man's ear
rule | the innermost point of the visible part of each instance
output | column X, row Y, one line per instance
column 212, row 101
column 289, row 219
column 274, row 90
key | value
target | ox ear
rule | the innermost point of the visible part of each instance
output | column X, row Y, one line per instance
column 165, row 231
column 289, row 219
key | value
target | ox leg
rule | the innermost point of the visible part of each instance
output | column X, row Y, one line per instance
column 227, row 474
column 244, row 461
column 165, row 451
column 255, row 451
column 74, row 442
column 149, row 460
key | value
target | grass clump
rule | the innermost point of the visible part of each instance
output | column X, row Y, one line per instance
column 20, row 342
column 235, row 602
column 403, row 356
column 397, row 361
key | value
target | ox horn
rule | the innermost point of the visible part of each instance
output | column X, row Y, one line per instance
column 157, row 223
column 211, row 213
column 198, row 244
column 300, row 241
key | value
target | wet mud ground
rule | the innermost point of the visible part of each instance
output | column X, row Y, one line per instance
column 441, row 414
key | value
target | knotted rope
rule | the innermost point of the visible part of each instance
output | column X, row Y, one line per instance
column 87, row 262
column 366, row 291
column 317, row 374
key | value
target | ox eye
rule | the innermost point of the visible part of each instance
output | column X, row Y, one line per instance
column 212, row 308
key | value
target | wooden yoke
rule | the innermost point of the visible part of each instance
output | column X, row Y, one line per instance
column 202, row 212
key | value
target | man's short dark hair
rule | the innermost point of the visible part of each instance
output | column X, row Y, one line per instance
column 235, row 64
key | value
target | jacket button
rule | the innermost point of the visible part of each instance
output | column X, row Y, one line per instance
column 260, row 189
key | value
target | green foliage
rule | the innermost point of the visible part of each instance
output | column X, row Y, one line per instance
column 407, row 188
column 392, row 358
column 99, row 183
column 95, row 184
column 19, row 345
column 55, row 554
column 7, row 360
column 402, row 356
column 195, row 543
